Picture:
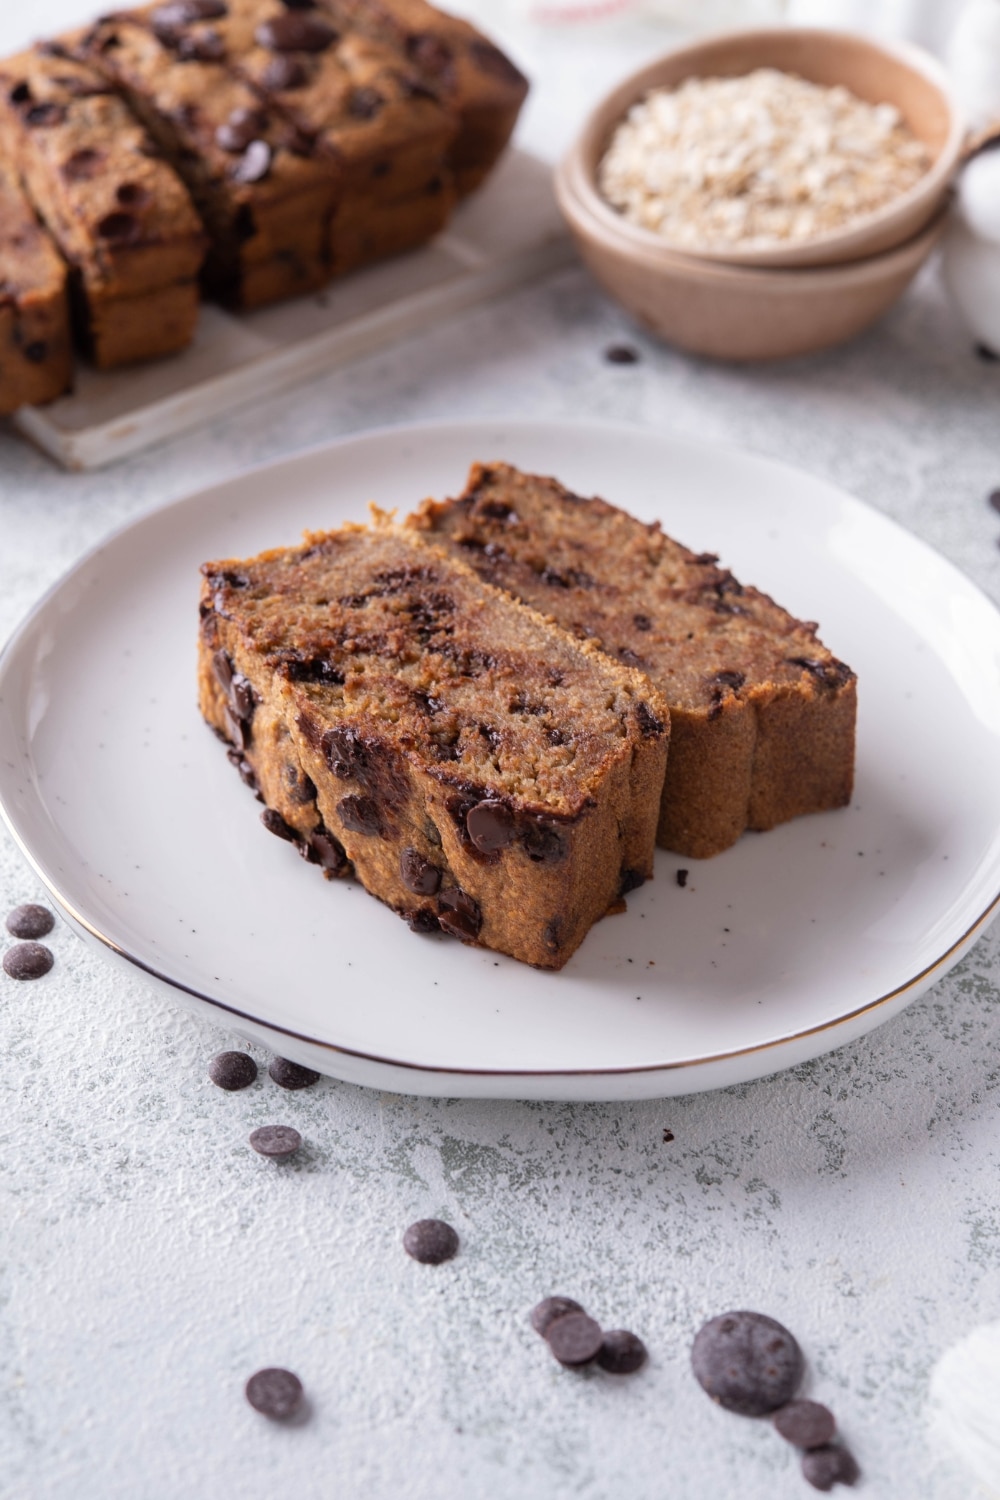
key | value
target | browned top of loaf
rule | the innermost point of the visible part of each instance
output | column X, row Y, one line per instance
column 378, row 626
column 644, row 598
column 30, row 266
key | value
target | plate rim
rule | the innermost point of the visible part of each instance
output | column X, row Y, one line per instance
column 439, row 428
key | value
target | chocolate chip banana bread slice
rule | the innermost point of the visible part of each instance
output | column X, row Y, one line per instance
column 761, row 714
column 458, row 63
column 265, row 196
column 36, row 364
column 120, row 216
column 482, row 772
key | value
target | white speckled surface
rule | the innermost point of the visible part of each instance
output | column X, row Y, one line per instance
column 149, row 1262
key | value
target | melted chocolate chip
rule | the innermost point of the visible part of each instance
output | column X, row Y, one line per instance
column 253, row 165
column 364, row 104
column 243, row 766
column 223, row 670
column 459, row 914
column 346, row 754
column 274, row 1393
column 284, row 72
column 418, row 874
column 543, row 842
column 275, row 823
column 629, row 657
column 321, row 848
column 490, row 826
column 301, row 788
column 131, row 195
column 296, row 31
column 360, row 815
column 41, row 115
column 242, row 127
column 202, row 46
column 119, row 228
column 649, row 725
column 549, row 1309
column 422, row 920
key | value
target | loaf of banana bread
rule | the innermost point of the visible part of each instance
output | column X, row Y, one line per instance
column 35, row 360
column 761, row 714
column 120, row 216
column 479, row 770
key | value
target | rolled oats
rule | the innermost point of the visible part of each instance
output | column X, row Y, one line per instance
column 763, row 159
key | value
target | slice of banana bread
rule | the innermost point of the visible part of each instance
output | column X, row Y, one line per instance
column 483, row 773
column 761, row 714
column 35, row 360
column 121, row 217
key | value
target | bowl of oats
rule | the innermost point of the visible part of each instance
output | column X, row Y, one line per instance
column 785, row 147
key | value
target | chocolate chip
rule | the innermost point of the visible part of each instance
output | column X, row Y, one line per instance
column 274, row 1393
column 825, row 1467
column 422, row 920
column 428, row 52
column 549, row 1309
column 254, row 165
column 359, row 814
column 42, row 115
column 649, row 725
column 364, row 104
column 807, row 1424
column 543, row 843
column 346, row 754
column 747, row 1362
column 247, row 775
column 459, row 914
column 299, row 4
column 682, row 878
column 295, row 31
column 418, row 874
column 27, row 961
column 642, row 622
column 37, row 352
column 321, row 848
column 830, row 674
column 232, row 1070
column 552, row 934
column 82, row 165
column 242, row 698
column 275, row 823
column 431, row 1241
column 986, row 354
column 30, row 921
column 203, row 46
column 621, row 1353
column 119, row 228
column 575, row 1339
column 242, row 126
column 490, row 826
column 621, row 354
column 732, row 680
column 993, row 498
column 20, row 93
column 179, row 13
column 244, row 224
column 275, row 1140
column 284, row 72
column 291, row 1075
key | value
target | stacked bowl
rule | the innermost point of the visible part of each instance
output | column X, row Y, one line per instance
column 782, row 298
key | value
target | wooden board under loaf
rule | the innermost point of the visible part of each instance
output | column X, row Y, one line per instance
column 762, row 715
column 479, row 770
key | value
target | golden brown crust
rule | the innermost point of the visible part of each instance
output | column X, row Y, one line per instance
column 482, row 772
column 35, row 359
column 762, row 715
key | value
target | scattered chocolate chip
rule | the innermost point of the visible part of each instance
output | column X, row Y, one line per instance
column 274, row 1393
column 431, row 1241
column 418, row 874
column 232, row 1070
column 575, row 1339
column 284, row 72
column 30, row 921
column 364, row 104
column 242, row 127
column 82, row 165
column 275, row 823
column 295, row 31
column 490, row 826
column 359, row 814
column 119, row 228
column 668, row 1136
column 807, row 1424
column 747, row 1362
column 291, row 1075
column 254, row 165
column 825, row 1467
column 621, row 1353
column 27, row 961
column 37, row 351
column 275, row 1140
column 459, row 914
column 321, row 848
column 682, row 878
column 993, row 498
column 549, row 1309
column 649, row 725
column 987, row 355
column 422, row 920
column 21, row 93
column 42, row 115
column 621, row 354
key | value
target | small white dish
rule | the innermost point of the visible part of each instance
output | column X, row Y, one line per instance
column 785, row 946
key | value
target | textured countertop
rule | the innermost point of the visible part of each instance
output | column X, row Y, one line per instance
column 149, row 1262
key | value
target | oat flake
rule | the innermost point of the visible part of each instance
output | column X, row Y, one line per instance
column 763, row 159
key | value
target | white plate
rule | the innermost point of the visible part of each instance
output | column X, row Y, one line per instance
column 785, row 946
